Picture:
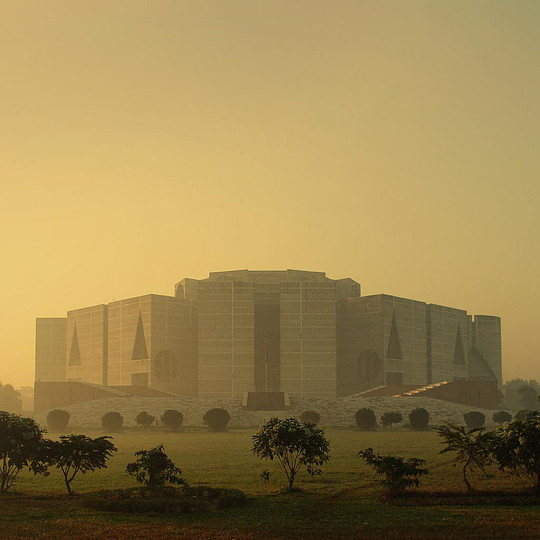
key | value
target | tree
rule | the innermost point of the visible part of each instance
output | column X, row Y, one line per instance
column 500, row 417
column 397, row 473
column 310, row 417
column 154, row 468
column 217, row 419
column 419, row 419
column 474, row 419
column 172, row 419
column 365, row 419
column 58, row 420
column 522, row 414
column 10, row 399
column 527, row 397
column 73, row 454
column 294, row 445
column 391, row 417
column 112, row 422
column 516, row 447
column 473, row 447
column 144, row 419
column 20, row 442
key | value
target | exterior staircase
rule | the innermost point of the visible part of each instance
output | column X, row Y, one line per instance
column 422, row 389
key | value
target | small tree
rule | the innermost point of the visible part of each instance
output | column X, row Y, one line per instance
column 522, row 414
column 73, row 454
column 474, row 419
column 500, row 417
column 144, row 419
column 365, row 419
column 58, row 420
column 112, row 422
column 172, row 419
column 472, row 446
column 20, row 442
column 391, row 417
column 310, row 417
column 419, row 419
column 516, row 447
column 217, row 419
column 154, row 468
column 397, row 473
column 294, row 445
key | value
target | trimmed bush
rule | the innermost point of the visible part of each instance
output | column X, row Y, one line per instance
column 474, row 419
column 419, row 419
column 522, row 414
column 217, row 419
column 310, row 417
column 391, row 417
column 500, row 417
column 173, row 419
column 58, row 420
column 144, row 419
column 112, row 422
column 365, row 419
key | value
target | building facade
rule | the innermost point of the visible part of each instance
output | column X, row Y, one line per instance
column 267, row 331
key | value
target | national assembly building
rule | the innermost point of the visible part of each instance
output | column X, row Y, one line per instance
column 295, row 332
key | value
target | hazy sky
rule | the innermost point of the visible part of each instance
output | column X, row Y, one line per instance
column 393, row 142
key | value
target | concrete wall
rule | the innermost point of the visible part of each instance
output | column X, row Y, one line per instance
column 51, row 349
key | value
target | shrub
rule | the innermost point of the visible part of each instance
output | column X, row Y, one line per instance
column 112, row 422
column 78, row 453
column 522, row 414
column 310, row 417
column 397, row 473
column 20, row 443
column 474, row 419
column 172, row 419
column 144, row 419
column 391, row 417
column 154, row 468
column 473, row 447
column 500, row 417
column 365, row 419
column 217, row 419
column 294, row 445
column 516, row 447
column 58, row 420
column 419, row 419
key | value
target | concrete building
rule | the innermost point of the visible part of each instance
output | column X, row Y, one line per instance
column 267, row 331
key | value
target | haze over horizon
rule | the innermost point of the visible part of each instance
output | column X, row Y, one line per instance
column 394, row 143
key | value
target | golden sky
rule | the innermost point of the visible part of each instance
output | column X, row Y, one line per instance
column 393, row 142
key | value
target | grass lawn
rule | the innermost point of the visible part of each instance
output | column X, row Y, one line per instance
column 344, row 502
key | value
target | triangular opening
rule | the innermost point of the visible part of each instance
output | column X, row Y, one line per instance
column 459, row 353
column 139, row 347
column 75, row 353
column 394, row 346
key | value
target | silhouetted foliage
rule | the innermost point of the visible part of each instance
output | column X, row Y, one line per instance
column 391, row 417
column 20, row 443
column 73, row 454
column 500, row 417
column 516, row 447
column 217, row 419
column 294, row 445
column 514, row 398
column 58, row 420
column 419, row 419
column 527, row 397
column 144, row 419
column 112, row 422
column 472, row 446
column 153, row 468
column 474, row 419
column 310, row 417
column 172, row 419
column 10, row 399
column 365, row 419
column 397, row 474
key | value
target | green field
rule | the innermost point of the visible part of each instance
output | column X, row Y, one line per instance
column 344, row 502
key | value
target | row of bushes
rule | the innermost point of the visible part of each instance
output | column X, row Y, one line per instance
column 112, row 422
